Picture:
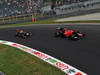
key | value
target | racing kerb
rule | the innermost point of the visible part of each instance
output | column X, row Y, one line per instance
column 69, row 70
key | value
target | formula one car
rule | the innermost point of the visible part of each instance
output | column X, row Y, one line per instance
column 22, row 34
column 68, row 33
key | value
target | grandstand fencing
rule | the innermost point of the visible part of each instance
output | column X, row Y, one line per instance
column 74, row 7
column 16, row 19
column 82, row 6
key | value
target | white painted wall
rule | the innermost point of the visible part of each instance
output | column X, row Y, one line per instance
column 95, row 16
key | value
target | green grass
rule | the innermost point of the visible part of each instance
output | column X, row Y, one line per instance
column 52, row 21
column 16, row 62
column 48, row 21
column 85, row 21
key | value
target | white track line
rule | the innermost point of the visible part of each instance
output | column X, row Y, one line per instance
column 69, row 70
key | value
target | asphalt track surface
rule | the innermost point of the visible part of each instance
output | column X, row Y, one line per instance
column 83, row 54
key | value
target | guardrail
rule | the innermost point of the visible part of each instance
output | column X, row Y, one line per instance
column 16, row 19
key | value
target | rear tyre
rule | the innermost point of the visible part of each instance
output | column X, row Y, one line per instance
column 57, row 34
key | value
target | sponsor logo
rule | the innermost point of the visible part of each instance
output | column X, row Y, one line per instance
column 70, row 71
column 15, row 45
column 62, row 66
column 40, row 55
column 78, row 73
column 21, row 47
column 51, row 60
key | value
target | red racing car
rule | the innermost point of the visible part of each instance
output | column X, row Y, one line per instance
column 68, row 33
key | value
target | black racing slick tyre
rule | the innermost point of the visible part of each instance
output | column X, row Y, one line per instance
column 23, row 37
column 57, row 34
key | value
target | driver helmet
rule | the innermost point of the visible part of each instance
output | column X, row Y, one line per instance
column 19, row 30
column 66, row 29
column 59, row 28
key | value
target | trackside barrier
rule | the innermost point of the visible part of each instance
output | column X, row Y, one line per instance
column 69, row 70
